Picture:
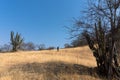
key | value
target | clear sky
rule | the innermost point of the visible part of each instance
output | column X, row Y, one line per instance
column 38, row 21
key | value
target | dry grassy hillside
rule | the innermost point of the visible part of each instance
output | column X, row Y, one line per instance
column 67, row 64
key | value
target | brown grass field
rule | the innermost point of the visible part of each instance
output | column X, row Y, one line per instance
column 67, row 64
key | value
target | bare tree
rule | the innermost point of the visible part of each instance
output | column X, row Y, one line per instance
column 41, row 47
column 78, row 41
column 101, row 29
column 27, row 46
column 5, row 48
column 50, row 48
column 66, row 45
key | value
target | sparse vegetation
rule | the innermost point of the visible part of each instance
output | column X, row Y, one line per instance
column 67, row 45
column 41, row 47
column 67, row 64
column 29, row 46
column 78, row 41
column 50, row 48
column 5, row 48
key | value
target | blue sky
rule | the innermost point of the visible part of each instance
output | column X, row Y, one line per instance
column 38, row 21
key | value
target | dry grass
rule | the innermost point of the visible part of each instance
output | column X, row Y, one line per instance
column 67, row 64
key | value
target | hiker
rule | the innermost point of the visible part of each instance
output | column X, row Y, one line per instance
column 57, row 48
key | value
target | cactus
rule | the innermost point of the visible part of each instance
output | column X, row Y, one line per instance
column 16, row 40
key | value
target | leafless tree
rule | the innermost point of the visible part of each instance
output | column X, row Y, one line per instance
column 100, row 27
column 41, row 47
column 5, row 48
column 27, row 46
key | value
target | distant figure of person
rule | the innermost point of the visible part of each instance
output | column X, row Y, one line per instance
column 57, row 48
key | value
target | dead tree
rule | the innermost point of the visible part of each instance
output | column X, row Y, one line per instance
column 100, row 28
column 101, row 46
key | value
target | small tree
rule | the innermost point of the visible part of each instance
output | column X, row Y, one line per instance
column 41, row 47
column 16, row 41
column 50, row 48
column 79, row 41
column 27, row 46
column 5, row 48
column 66, row 45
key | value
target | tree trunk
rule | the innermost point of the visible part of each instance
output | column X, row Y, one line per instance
column 107, row 64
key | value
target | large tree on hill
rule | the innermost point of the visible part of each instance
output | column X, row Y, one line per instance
column 16, row 41
column 101, row 29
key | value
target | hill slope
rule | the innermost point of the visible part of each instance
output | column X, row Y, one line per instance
column 67, row 64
